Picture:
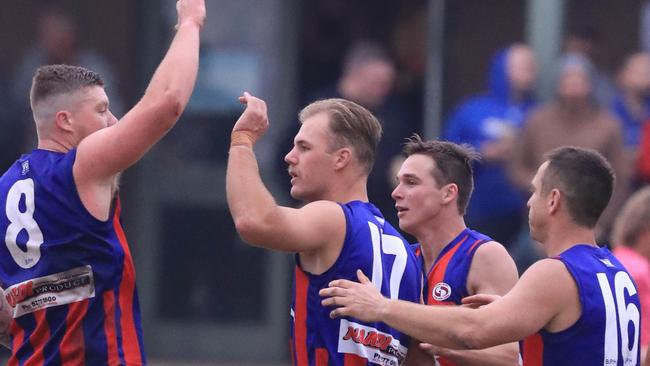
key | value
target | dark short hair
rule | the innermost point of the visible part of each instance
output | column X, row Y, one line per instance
column 351, row 125
column 584, row 177
column 51, row 80
column 453, row 164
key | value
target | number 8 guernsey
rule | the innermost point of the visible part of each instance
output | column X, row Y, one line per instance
column 68, row 277
column 374, row 246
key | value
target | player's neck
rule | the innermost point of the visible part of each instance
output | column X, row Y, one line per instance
column 566, row 236
column 347, row 191
column 53, row 145
column 436, row 236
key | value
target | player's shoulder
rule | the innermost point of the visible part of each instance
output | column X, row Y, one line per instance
column 547, row 271
column 491, row 246
column 322, row 208
column 492, row 269
column 491, row 251
column 321, row 214
column 322, row 205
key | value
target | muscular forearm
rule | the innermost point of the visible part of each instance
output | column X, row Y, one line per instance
column 503, row 355
column 175, row 76
column 249, row 201
column 450, row 327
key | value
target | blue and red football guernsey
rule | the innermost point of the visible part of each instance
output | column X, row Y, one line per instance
column 446, row 280
column 68, row 276
column 374, row 246
column 607, row 332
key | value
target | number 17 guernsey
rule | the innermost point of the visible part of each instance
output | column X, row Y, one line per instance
column 374, row 246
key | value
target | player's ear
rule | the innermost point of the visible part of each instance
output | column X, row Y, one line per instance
column 554, row 200
column 63, row 120
column 342, row 157
column 449, row 193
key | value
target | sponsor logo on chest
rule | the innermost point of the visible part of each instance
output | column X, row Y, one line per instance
column 57, row 289
column 441, row 291
column 370, row 343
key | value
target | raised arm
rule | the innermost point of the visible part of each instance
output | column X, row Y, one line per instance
column 109, row 151
column 530, row 306
column 258, row 218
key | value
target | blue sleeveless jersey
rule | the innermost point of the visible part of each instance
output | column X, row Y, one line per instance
column 374, row 246
column 446, row 280
column 68, row 276
column 607, row 332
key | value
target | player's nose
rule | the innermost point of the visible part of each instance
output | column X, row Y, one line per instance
column 397, row 193
column 290, row 158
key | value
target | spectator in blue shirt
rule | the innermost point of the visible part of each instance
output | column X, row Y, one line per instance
column 490, row 123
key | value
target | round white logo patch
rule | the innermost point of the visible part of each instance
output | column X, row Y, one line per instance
column 441, row 291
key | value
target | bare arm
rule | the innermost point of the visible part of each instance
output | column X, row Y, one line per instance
column 502, row 355
column 492, row 272
column 530, row 306
column 258, row 218
column 109, row 151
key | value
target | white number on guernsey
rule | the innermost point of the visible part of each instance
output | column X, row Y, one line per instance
column 20, row 221
column 388, row 244
column 625, row 313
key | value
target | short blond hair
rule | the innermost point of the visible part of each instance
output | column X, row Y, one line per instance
column 351, row 125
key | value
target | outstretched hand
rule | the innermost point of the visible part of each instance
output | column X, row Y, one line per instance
column 252, row 123
column 360, row 300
